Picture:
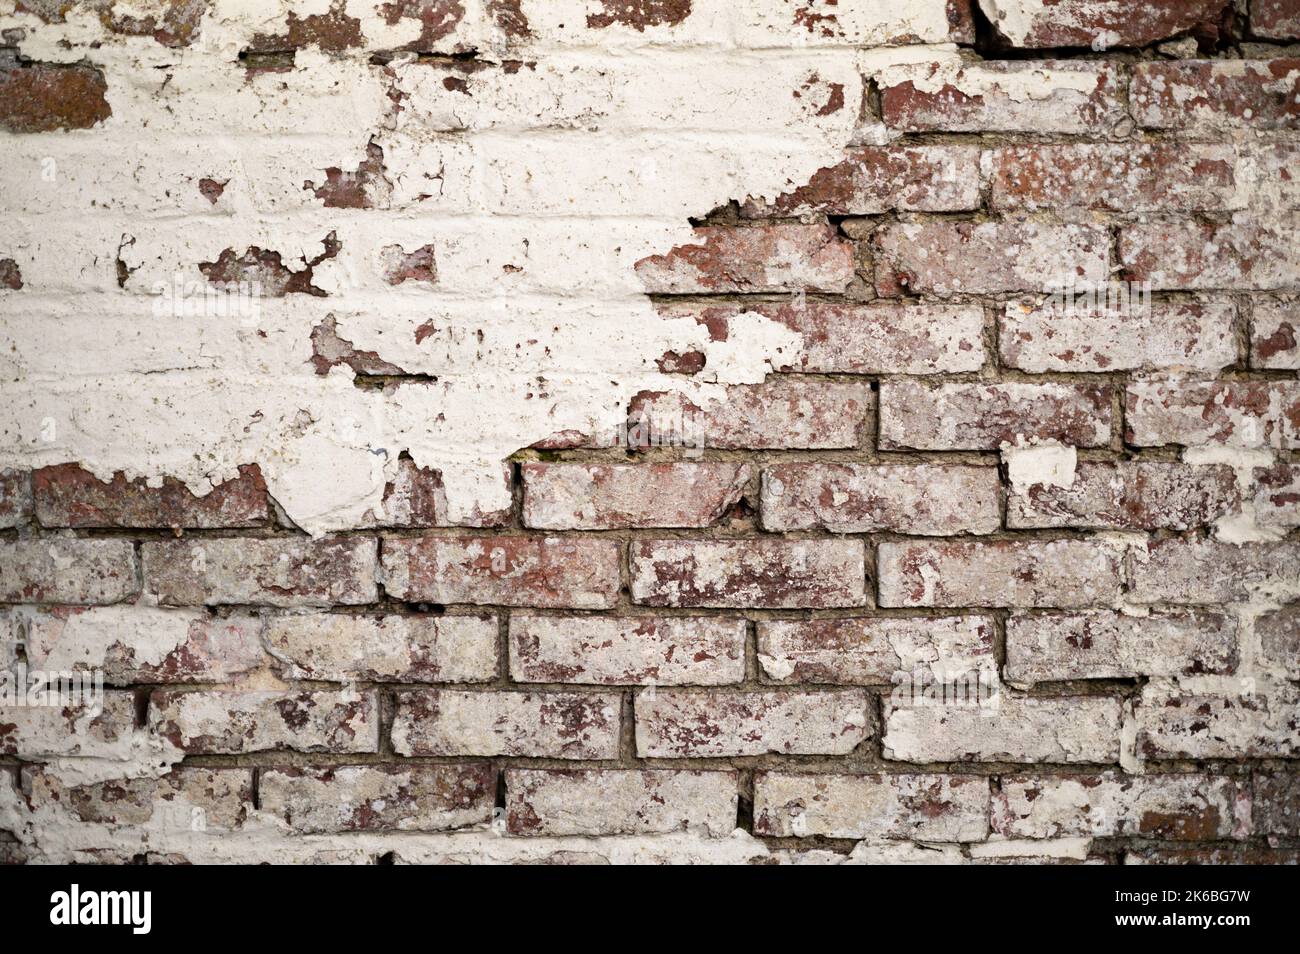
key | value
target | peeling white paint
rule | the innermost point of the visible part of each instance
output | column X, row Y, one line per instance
column 1046, row 464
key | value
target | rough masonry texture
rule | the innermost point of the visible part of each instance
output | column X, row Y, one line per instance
column 706, row 431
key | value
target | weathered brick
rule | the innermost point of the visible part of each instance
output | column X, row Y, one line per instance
column 783, row 413
column 1128, row 177
column 287, row 571
column 80, row 729
column 875, row 338
column 921, row 499
column 1204, row 572
column 962, row 416
column 1133, row 338
column 1030, row 573
column 231, row 722
column 880, row 179
column 1016, row 729
column 748, row 573
column 416, row 497
column 870, row 650
column 1279, row 639
column 1275, row 19
column 379, row 797
column 946, row 258
column 67, row 496
column 341, row 648
column 1277, row 495
column 1113, row 805
column 15, row 498
column 1108, row 645
column 612, row 496
column 67, row 570
column 1214, row 95
column 670, row 651
column 677, row 724
column 558, row 725
column 945, row 808
column 185, row 799
column 1101, row 24
column 1131, row 495
column 1196, row 412
column 134, row 644
column 762, row 258
column 1219, row 727
column 1213, row 856
column 1273, row 341
column 1275, row 806
column 506, row 570
column 1181, row 253
column 1046, row 96
column 42, row 97
column 617, row 802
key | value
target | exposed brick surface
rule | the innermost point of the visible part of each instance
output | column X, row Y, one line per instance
column 616, row 802
column 15, row 498
column 1273, row 341
column 605, row 497
column 759, row 572
column 984, row 416
column 1064, row 573
column 675, row 650
column 1219, row 726
column 1194, row 413
column 1212, row 95
column 852, row 498
column 1184, row 253
column 1101, row 24
column 765, row 258
column 67, row 570
column 67, row 496
column 1279, row 637
column 1275, row 19
column 1207, row 572
column 233, row 722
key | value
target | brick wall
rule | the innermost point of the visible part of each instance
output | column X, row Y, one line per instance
column 653, row 413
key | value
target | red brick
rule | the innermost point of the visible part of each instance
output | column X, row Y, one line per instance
column 185, row 799
column 1107, row 645
column 1213, row 95
column 783, row 413
column 232, row 722
column 679, row 724
column 1103, row 24
column 880, row 179
column 763, row 258
column 15, row 498
column 876, row 338
column 1180, row 253
column 286, row 571
column 975, row 258
column 1279, row 639
column 1197, row 412
column 1112, row 805
column 504, row 570
column 558, row 725
column 1277, row 495
column 1276, row 804
column 943, row 808
column 617, row 802
column 869, row 650
column 43, row 97
column 67, row 496
column 1213, row 856
column 920, row 499
column 748, row 573
column 1129, row 496
column 133, row 644
column 1046, row 96
column 1204, row 572
column 1084, row 729
column 1219, row 727
column 614, row 496
column 1273, row 335
column 1275, row 19
column 348, row 798
column 1159, row 337
column 1128, row 177
column 700, row 651
column 1030, row 573
column 978, row 416
column 66, row 569
column 334, row 647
